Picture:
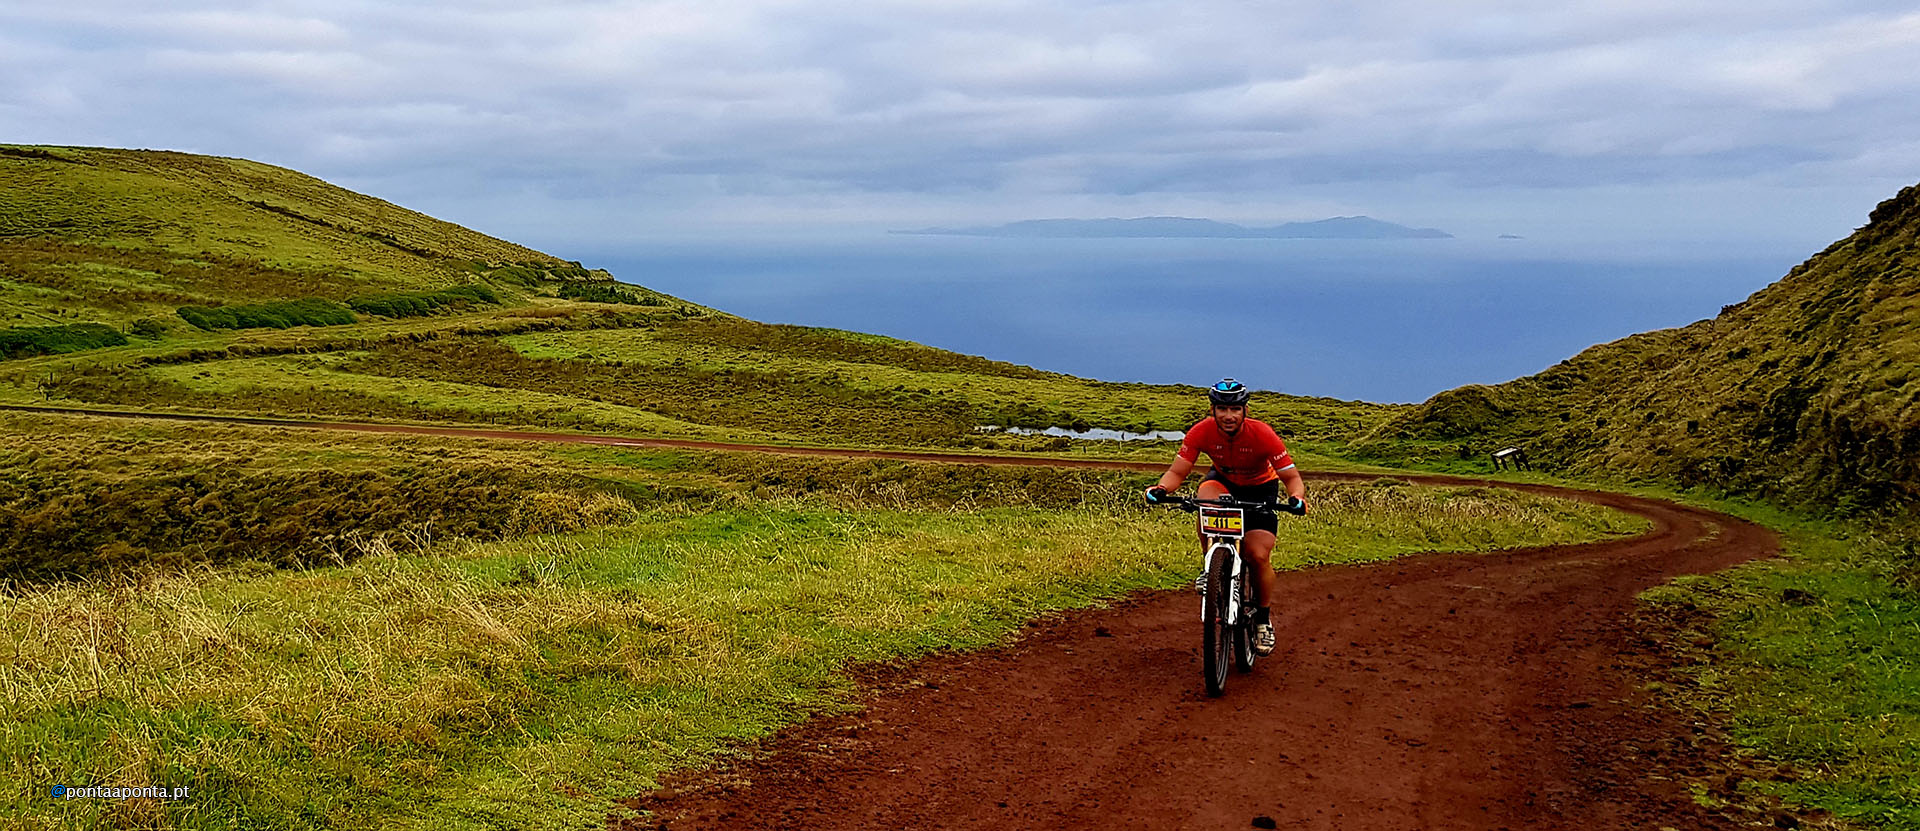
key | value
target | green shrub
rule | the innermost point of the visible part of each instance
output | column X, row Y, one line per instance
column 25, row 341
column 307, row 311
column 609, row 292
column 148, row 327
column 421, row 303
column 518, row 275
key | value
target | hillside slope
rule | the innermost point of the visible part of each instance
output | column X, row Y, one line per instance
column 107, row 235
column 160, row 280
column 1804, row 392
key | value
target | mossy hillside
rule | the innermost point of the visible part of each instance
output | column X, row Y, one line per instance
column 532, row 683
column 1808, row 391
column 112, row 236
column 188, row 204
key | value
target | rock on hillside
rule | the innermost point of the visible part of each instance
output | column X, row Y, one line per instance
column 1805, row 391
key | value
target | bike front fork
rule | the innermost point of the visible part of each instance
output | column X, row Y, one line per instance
column 1238, row 584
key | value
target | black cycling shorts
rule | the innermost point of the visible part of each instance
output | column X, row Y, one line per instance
column 1264, row 492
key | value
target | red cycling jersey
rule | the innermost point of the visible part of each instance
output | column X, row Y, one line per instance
column 1253, row 455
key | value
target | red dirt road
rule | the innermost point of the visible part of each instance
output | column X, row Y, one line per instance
column 1433, row 692
column 1465, row 691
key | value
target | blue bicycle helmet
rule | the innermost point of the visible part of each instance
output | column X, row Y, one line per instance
column 1228, row 393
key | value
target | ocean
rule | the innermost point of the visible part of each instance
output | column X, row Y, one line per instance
column 1378, row 320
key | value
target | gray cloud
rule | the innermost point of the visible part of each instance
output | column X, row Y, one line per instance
column 723, row 111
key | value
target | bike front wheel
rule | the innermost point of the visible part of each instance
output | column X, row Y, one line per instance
column 1216, row 639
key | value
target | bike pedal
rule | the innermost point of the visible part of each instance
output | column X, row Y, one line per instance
column 1200, row 584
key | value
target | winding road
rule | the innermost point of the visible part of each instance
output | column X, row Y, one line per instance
column 1443, row 691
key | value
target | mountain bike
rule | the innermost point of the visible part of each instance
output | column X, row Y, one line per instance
column 1227, row 596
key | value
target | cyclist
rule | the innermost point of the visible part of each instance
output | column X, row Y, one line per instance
column 1251, row 463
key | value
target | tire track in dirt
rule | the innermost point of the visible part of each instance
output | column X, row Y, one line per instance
column 1440, row 691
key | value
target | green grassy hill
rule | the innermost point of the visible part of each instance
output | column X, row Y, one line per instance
column 112, row 236
column 1804, row 392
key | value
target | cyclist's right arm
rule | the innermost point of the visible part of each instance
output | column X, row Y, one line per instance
column 1175, row 476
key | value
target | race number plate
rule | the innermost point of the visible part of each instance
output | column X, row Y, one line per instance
column 1223, row 522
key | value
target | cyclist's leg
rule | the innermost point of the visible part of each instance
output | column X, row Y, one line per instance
column 1258, row 547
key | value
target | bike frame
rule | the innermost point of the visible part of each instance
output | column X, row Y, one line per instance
column 1235, row 600
column 1224, row 529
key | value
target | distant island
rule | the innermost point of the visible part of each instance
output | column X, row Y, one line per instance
column 1339, row 227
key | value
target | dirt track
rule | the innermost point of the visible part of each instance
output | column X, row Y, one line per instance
column 1461, row 691
column 1432, row 692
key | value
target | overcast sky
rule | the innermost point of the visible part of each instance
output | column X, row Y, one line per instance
column 576, row 123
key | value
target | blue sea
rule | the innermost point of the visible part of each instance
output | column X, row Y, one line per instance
column 1388, row 321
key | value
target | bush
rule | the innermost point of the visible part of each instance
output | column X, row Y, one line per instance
column 609, row 292
column 307, row 311
column 148, row 327
column 519, row 275
column 421, row 303
column 26, row 341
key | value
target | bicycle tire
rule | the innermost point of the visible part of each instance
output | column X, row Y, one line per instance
column 1216, row 641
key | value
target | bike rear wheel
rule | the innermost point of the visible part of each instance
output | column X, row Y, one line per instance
column 1216, row 639
column 1243, row 654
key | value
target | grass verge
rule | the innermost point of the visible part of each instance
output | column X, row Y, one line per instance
column 1810, row 666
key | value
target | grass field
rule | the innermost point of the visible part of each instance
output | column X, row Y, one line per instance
column 528, row 682
column 640, row 372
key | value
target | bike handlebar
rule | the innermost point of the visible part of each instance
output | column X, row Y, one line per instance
column 1191, row 505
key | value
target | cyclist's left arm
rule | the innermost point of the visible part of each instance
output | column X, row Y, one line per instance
column 1282, row 462
column 1296, row 486
column 1176, row 474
